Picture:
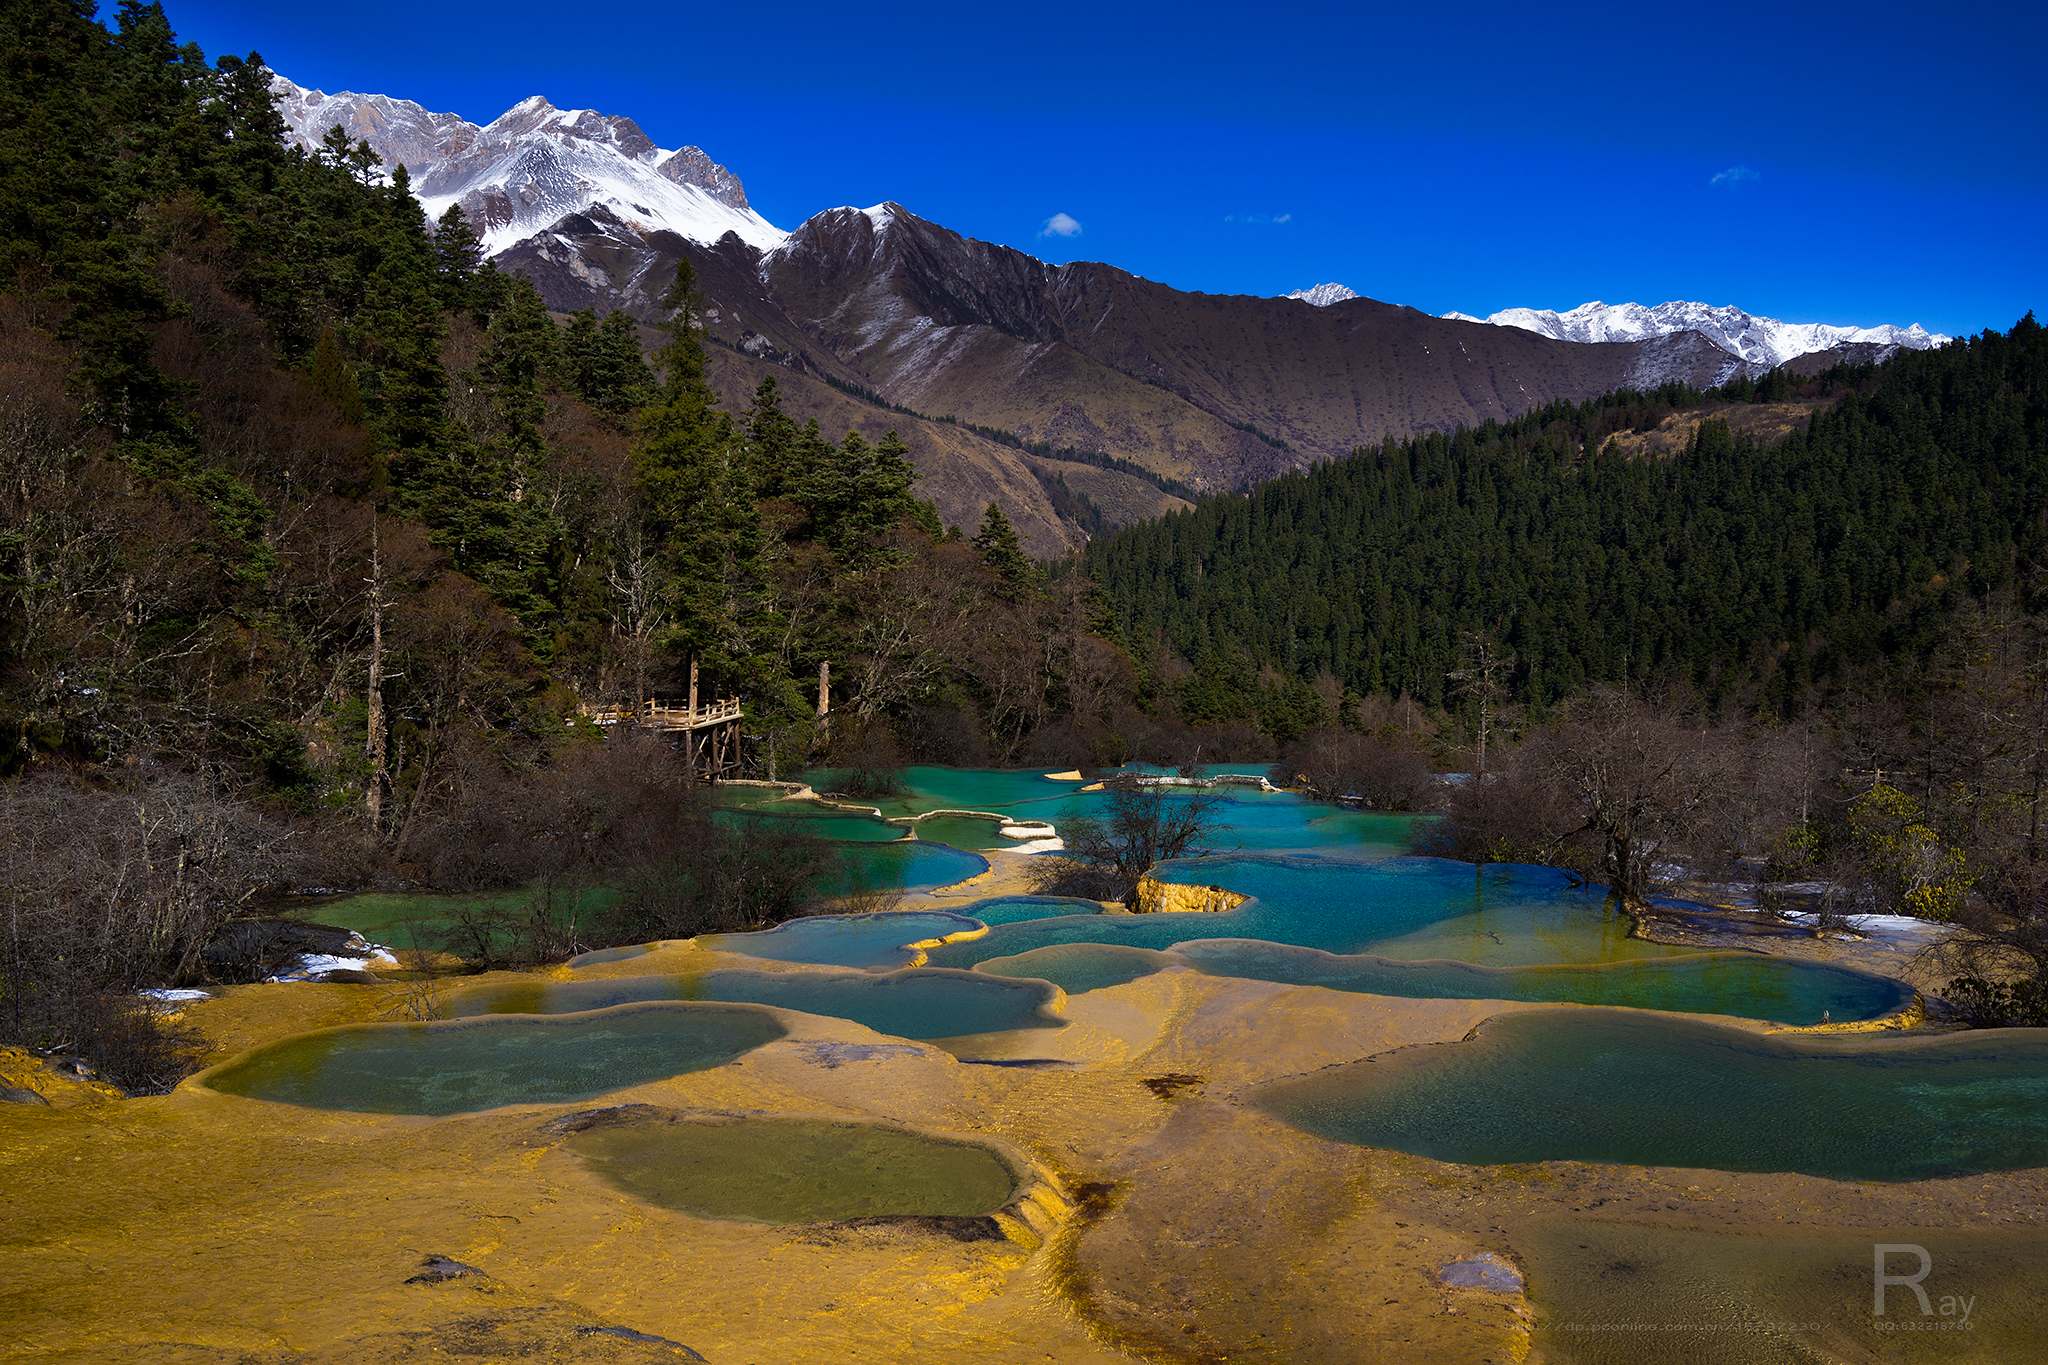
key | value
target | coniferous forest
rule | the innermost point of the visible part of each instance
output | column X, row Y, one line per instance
column 323, row 541
column 1744, row 572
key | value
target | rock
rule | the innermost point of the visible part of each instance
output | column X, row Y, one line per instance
column 348, row 977
column 441, row 1269
column 1484, row 1271
column 16, row 1095
column 638, row 1338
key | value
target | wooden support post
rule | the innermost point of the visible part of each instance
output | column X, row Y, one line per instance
column 690, row 725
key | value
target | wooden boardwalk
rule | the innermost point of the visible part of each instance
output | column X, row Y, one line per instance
column 711, row 733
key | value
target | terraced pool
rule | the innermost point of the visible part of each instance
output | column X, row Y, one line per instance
column 1642, row 1089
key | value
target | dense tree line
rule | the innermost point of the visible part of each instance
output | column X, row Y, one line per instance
column 1739, row 570
column 315, row 526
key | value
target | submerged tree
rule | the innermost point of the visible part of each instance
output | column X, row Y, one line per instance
column 1145, row 823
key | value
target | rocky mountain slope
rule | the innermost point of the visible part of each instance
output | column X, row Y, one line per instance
column 1763, row 341
column 1186, row 390
column 1215, row 391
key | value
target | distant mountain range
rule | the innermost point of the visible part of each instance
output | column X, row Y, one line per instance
column 1014, row 380
column 534, row 165
column 1762, row 341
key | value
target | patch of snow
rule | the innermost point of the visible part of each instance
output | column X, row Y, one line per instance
column 534, row 165
column 306, row 966
column 1760, row 340
column 1880, row 926
column 169, row 995
column 1323, row 295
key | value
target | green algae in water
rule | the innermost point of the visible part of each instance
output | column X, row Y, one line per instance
column 1786, row 990
column 1779, row 1296
column 1603, row 1086
column 882, row 939
column 458, row 1066
column 797, row 1170
column 914, row 1003
column 1749, row 984
column 1079, row 967
column 917, row 1003
column 966, row 831
column 1017, row 909
column 1247, row 817
column 1347, row 905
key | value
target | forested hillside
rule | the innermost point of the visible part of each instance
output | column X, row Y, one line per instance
column 1736, row 569
column 320, row 539
column 285, row 460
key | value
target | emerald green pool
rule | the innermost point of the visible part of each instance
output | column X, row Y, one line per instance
column 882, row 939
column 1502, row 914
column 1248, row 818
column 1605, row 1086
column 456, row 1066
column 797, row 1170
column 1786, row 990
column 917, row 1002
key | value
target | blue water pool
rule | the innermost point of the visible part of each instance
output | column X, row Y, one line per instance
column 913, row 1003
column 1617, row 1086
column 455, row 1066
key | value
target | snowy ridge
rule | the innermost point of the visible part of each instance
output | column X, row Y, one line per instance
column 1323, row 295
column 535, row 164
column 1761, row 341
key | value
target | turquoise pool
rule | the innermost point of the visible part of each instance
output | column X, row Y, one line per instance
column 1785, row 990
column 456, row 1066
column 913, row 1003
column 1609, row 1086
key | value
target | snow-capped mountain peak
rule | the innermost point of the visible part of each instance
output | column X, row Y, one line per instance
column 1323, row 295
column 535, row 164
column 1760, row 340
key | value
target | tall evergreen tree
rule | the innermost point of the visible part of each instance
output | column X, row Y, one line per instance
column 1001, row 550
column 697, row 501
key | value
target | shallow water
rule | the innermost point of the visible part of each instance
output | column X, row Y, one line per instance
column 1079, row 967
column 1248, row 818
column 795, row 1170
column 1585, row 1085
column 456, row 1066
column 914, row 1003
column 1344, row 905
column 918, row 1002
column 877, row 940
column 1785, row 990
column 962, row 831
column 909, row 865
column 1017, row 909
column 1603, row 1291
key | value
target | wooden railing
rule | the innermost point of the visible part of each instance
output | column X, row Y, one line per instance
column 656, row 715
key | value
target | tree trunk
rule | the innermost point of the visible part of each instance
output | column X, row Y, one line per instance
column 380, row 778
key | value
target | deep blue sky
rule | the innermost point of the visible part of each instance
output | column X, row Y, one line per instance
column 1831, row 162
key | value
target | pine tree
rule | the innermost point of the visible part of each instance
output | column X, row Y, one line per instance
column 602, row 363
column 1002, row 552
column 698, row 503
column 458, row 258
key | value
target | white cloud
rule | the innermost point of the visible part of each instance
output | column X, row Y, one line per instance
column 1060, row 225
column 1264, row 218
column 1734, row 176
column 1285, row 217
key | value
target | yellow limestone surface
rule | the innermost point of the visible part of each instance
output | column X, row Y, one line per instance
column 200, row 1226
column 1160, row 1220
column 1156, row 897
